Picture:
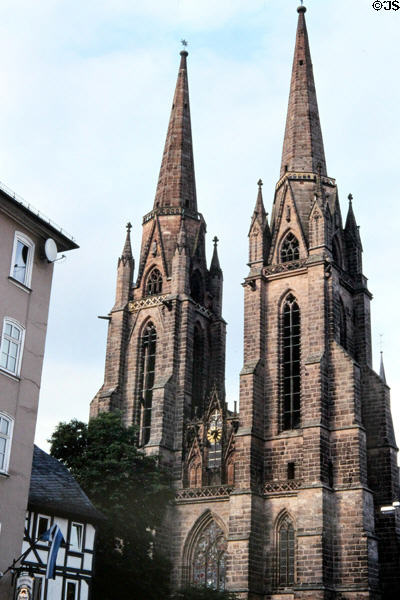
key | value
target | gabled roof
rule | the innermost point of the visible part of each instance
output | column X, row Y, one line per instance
column 54, row 491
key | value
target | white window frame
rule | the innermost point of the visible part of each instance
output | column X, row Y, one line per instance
column 21, row 237
column 80, row 546
column 37, row 526
column 67, row 581
column 13, row 323
column 8, row 438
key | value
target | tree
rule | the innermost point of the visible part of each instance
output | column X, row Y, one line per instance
column 132, row 492
column 202, row 593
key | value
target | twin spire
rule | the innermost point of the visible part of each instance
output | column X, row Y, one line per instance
column 176, row 183
column 303, row 148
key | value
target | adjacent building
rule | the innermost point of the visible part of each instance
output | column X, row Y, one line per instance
column 284, row 499
column 29, row 243
column 55, row 497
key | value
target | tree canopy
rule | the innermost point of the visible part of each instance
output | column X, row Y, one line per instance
column 132, row 492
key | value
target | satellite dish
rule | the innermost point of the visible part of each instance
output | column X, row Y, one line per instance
column 50, row 249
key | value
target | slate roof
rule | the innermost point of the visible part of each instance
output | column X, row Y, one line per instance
column 54, row 491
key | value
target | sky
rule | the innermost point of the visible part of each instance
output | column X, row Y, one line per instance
column 87, row 89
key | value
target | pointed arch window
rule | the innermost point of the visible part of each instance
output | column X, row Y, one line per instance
column 336, row 253
column 291, row 380
column 209, row 558
column 197, row 371
column 342, row 325
column 154, row 283
column 148, row 343
column 286, row 553
column 290, row 248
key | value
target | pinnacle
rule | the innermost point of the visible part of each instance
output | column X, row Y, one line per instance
column 303, row 148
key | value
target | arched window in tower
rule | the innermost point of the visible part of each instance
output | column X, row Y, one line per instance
column 197, row 372
column 290, row 248
column 342, row 325
column 336, row 253
column 209, row 558
column 291, row 380
column 214, row 436
column 148, row 344
column 154, row 283
column 197, row 287
column 285, row 553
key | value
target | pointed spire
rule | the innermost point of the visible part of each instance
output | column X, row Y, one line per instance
column 303, row 148
column 351, row 223
column 176, row 183
column 259, row 210
column 215, row 268
column 127, row 249
column 382, row 369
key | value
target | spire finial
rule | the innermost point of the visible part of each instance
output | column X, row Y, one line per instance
column 350, row 198
column 215, row 240
column 301, row 9
column 259, row 183
column 129, row 226
column 184, row 52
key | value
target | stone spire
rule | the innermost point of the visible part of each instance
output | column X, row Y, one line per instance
column 259, row 213
column 215, row 268
column 382, row 369
column 303, row 148
column 125, row 269
column 176, row 184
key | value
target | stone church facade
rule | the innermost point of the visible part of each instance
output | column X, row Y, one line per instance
column 281, row 500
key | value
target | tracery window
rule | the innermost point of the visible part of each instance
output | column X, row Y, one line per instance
column 154, row 283
column 148, row 344
column 290, row 248
column 214, row 436
column 286, row 553
column 291, row 381
column 342, row 325
column 209, row 558
column 198, row 371
column 337, row 256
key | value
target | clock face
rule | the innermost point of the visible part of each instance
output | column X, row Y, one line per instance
column 214, row 432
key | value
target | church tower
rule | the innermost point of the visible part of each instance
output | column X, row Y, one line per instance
column 166, row 336
column 315, row 447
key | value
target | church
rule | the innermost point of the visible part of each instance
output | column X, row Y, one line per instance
column 293, row 496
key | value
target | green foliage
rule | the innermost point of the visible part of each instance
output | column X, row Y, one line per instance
column 132, row 493
column 202, row 593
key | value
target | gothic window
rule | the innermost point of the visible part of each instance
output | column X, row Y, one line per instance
column 290, row 248
column 154, row 283
column 286, row 553
column 197, row 371
column 196, row 287
column 337, row 257
column 214, row 436
column 291, row 381
column 342, row 325
column 209, row 558
column 146, row 379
